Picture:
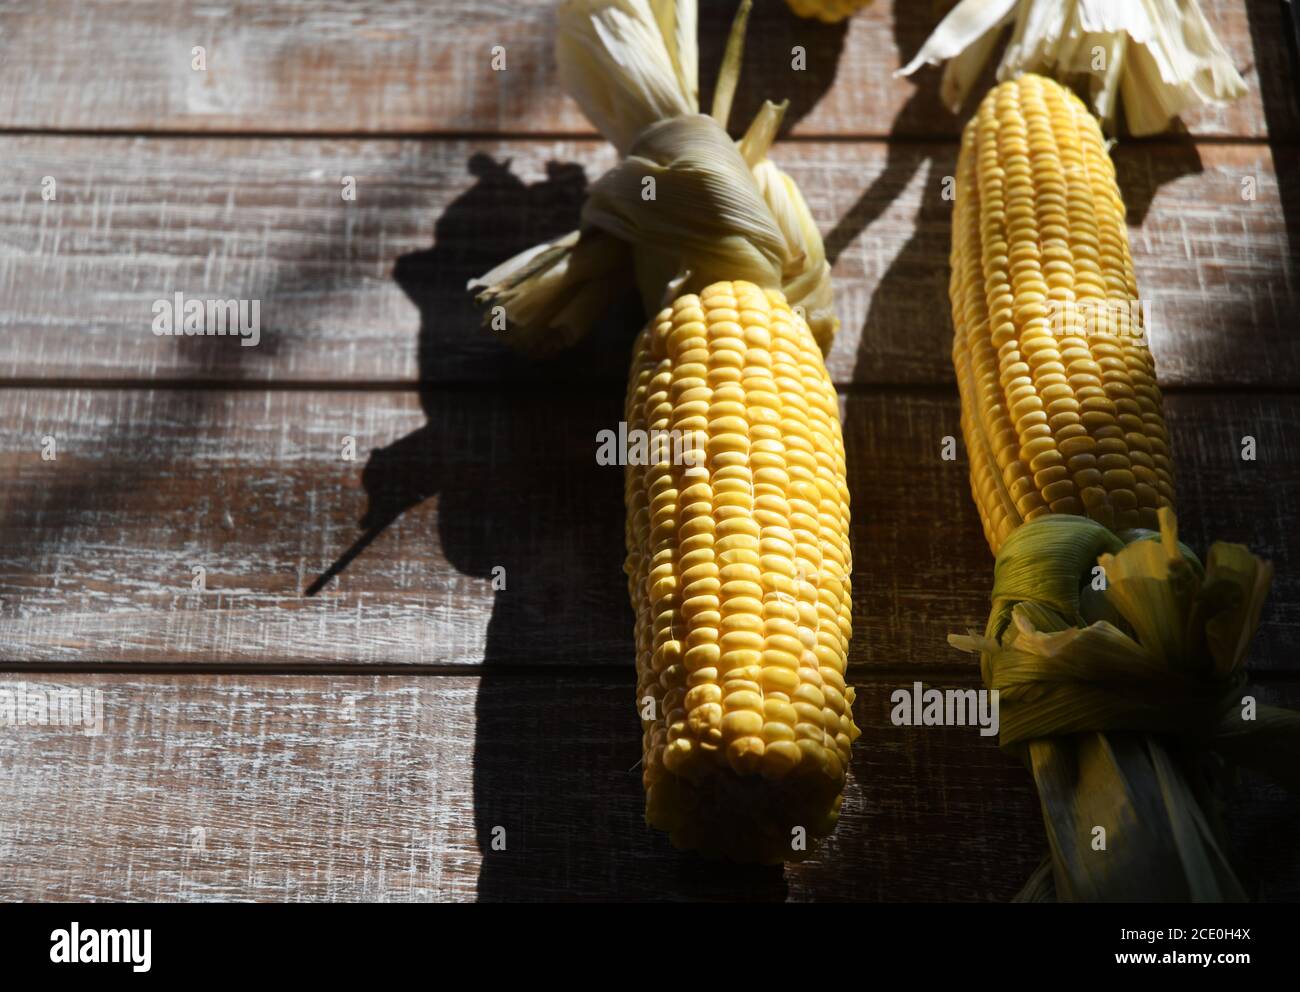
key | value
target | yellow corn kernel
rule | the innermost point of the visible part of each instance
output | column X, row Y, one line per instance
column 738, row 563
column 1059, row 404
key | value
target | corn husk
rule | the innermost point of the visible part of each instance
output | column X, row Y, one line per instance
column 1160, row 57
column 806, row 278
column 708, row 215
column 1126, row 703
column 557, row 289
column 720, row 209
column 628, row 63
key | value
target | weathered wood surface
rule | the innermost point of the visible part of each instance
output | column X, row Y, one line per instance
column 374, row 289
column 323, row 779
column 389, row 788
column 381, row 66
column 98, row 546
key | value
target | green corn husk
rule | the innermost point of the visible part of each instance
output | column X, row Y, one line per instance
column 1127, row 704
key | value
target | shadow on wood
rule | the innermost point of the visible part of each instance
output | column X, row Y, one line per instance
column 1279, row 84
column 773, row 34
column 502, row 480
column 88, row 484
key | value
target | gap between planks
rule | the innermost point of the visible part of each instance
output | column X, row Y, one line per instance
column 594, row 674
column 536, row 388
column 858, row 674
column 1172, row 139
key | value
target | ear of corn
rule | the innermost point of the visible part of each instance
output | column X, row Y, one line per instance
column 738, row 565
column 829, row 11
column 1113, row 694
column 738, row 555
column 1060, row 408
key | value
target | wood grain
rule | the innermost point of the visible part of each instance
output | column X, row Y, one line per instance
column 389, row 788
column 408, row 66
column 307, row 774
column 97, row 547
column 374, row 289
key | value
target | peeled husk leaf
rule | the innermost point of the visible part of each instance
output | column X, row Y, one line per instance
column 562, row 286
column 806, row 278
column 720, row 210
column 707, row 216
column 1127, row 705
column 1160, row 56
column 628, row 63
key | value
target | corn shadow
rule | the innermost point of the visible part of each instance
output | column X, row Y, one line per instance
column 1275, row 39
column 1277, row 60
column 768, row 71
column 522, row 505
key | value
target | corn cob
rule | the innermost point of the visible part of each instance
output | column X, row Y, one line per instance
column 1124, row 698
column 1059, row 415
column 738, row 565
column 738, row 558
column 828, row 11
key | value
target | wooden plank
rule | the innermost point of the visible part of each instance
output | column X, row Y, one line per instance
column 406, row 66
column 389, row 788
column 97, row 547
column 374, row 289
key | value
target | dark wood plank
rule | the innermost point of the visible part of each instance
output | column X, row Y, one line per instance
column 374, row 290
column 97, row 546
column 389, row 788
column 379, row 66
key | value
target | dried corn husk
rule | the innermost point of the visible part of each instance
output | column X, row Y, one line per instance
column 1161, row 56
column 720, row 209
column 1127, row 703
column 806, row 278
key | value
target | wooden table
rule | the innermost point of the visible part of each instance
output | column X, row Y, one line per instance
column 364, row 742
